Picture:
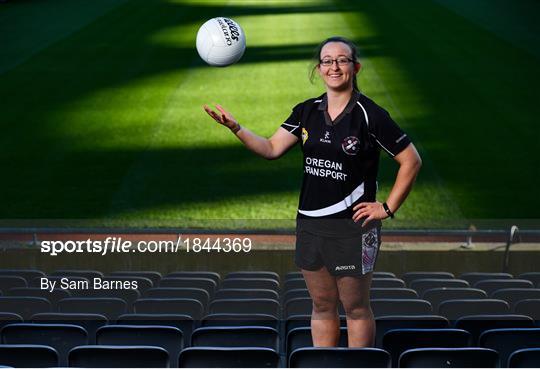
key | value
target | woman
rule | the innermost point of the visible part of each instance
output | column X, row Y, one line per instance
column 338, row 225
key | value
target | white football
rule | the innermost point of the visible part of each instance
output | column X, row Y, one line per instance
column 221, row 42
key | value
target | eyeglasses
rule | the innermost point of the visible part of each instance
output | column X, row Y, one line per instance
column 341, row 61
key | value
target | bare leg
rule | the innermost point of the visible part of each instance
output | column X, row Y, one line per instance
column 354, row 295
column 324, row 318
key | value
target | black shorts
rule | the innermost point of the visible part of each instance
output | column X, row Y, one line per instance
column 355, row 255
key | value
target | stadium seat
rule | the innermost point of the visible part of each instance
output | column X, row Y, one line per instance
column 438, row 295
column 8, row 282
column 143, row 283
column 198, row 294
column 492, row 285
column 298, row 306
column 236, row 337
column 398, row 341
column 455, row 309
column 240, row 320
column 534, row 277
column 382, row 307
column 155, row 277
column 88, row 274
column 529, row 307
column 207, row 284
column 110, row 307
column 293, row 275
column 339, row 357
column 506, row 341
column 411, row 276
column 245, row 306
column 295, row 293
column 100, row 356
column 301, row 337
column 52, row 296
column 27, row 274
column 36, row 282
column 466, row 357
column 240, row 293
column 393, row 293
column 28, row 356
column 9, row 318
column 294, row 284
column 24, row 306
column 168, row 338
column 90, row 322
column 185, row 323
column 252, row 274
column 206, row 275
column 525, row 358
column 388, row 323
column 190, row 307
column 477, row 324
column 61, row 337
column 422, row 285
column 387, row 283
column 251, row 283
column 474, row 277
column 383, row 275
column 513, row 295
column 304, row 321
column 228, row 357
column 128, row 296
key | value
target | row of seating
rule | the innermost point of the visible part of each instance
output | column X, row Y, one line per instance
column 63, row 339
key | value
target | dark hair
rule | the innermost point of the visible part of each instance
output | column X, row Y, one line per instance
column 317, row 56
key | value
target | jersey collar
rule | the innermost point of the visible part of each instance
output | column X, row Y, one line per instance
column 323, row 106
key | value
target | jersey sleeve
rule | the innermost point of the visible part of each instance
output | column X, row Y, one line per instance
column 293, row 122
column 387, row 133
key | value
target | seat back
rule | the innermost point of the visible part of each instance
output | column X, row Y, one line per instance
column 228, row 357
column 196, row 274
column 438, row 295
column 474, row 277
column 100, row 356
column 24, row 306
column 529, row 307
column 207, row 284
column 90, row 322
column 455, row 309
column 467, row 357
column 179, row 293
column 240, row 320
column 393, row 293
column 506, row 341
column 53, row 296
column 253, row 274
column 525, row 358
column 251, row 283
column 185, row 323
column 339, row 357
column 387, row 283
column 190, row 307
column 477, row 324
column 411, row 276
column 301, row 337
column 388, row 323
column 382, row 307
column 155, row 277
column 236, row 337
column 514, row 295
column 8, row 282
column 240, row 293
column 424, row 284
column 111, row 307
column 28, row 356
column 492, row 285
column 245, row 306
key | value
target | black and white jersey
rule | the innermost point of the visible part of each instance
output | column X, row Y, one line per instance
column 341, row 157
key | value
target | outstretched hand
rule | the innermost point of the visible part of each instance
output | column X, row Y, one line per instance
column 370, row 211
column 223, row 117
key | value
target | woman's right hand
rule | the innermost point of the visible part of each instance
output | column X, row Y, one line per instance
column 223, row 117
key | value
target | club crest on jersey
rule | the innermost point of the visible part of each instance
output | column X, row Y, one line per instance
column 304, row 136
column 351, row 145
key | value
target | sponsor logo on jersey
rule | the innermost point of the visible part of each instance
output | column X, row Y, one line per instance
column 351, row 145
column 326, row 138
column 304, row 136
column 345, row 267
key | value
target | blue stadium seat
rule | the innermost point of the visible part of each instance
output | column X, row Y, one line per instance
column 387, row 283
column 251, row 283
column 236, row 337
column 24, row 306
column 474, row 277
column 190, row 307
column 492, row 285
column 228, row 357
column 8, row 282
column 411, row 276
column 339, row 357
column 100, row 356
column 168, row 338
column 438, row 295
column 240, row 320
column 393, row 293
column 477, row 324
column 293, row 275
column 513, row 295
column 9, row 318
column 304, row 321
column 52, row 296
column 383, row 275
column 534, row 277
column 240, row 293
column 455, row 309
column 197, row 274
column 185, row 323
column 179, row 293
column 301, row 337
column 128, row 296
column 529, row 307
column 398, row 341
column 27, row 274
column 296, row 293
column 294, row 284
column 382, row 307
column 111, row 307
column 28, row 356
column 88, row 274
column 143, row 283
column 61, row 337
column 207, row 284
column 298, row 306
column 155, row 277
column 525, row 358
column 90, row 322
column 245, row 306
column 466, row 357
column 506, row 341
column 252, row 274
column 388, row 323
column 424, row 284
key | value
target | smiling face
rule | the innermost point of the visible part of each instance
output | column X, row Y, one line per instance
column 337, row 77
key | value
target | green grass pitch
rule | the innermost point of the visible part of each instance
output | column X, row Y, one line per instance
column 101, row 118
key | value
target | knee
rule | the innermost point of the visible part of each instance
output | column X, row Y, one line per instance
column 325, row 303
column 357, row 310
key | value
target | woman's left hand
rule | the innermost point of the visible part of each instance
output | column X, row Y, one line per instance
column 370, row 211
